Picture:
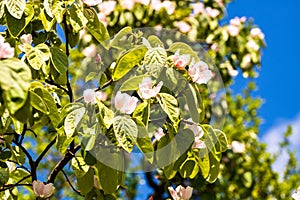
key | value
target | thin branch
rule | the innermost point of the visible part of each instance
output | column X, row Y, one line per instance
column 9, row 186
column 57, row 85
column 23, row 133
column 38, row 160
column 61, row 164
column 35, row 135
column 68, row 180
column 20, row 166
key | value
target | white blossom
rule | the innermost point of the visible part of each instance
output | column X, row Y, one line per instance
column 125, row 103
column 181, row 193
column 42, row 190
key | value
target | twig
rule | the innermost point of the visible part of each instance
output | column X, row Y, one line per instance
column 57, row 85
column 38, row 160
column 68, row 180
column 23, row 133
column 35, row 135
column 61, row 164
column 9, row 186
column 20, row 166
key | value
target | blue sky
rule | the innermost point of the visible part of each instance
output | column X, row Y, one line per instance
column 280, row 73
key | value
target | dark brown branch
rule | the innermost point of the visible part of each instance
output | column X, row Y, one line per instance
column 158, row 189
column 38, row 160
column 68, row 180
column 61, row 164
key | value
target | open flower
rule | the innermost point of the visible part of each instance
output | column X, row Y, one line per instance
column 25, row 39
column 146, row 89
column 199, row 72
column 181, row 61
column 183, row 26
column 169, row 6
column 256, row 32
column 198, row 133
column 125, row 103
column 198, row 8
column 90, row 96
column 6, row 51
column 181, row 193
column 107, row 7
column 91, row 2
column 90, row 51
column 296, row 195
column 238, row 147
column 211, row 12
column 42, row 190
column 127, row 4
column 251, row 44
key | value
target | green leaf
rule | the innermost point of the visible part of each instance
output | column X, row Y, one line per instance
column 18, row 126
column 2, row 8
column 144, row 142
column 120, row 38
column 47, row 21
column 222, row 139
column 126, row 131
column 63, row 141
column 108, row 177
column 17, row 25
column 79, row 166
column 59, row 59
column 15, row 7
column 204, row 164
column 72, row 121
column 170, row 105
column 58, row 9
column 86, row 183
column 18, row 155
column 77, row 18
column 5, row 154
column 37, row 56
column 4, row 174
column 53, row 115
column 95, row 26
column 15, row 82
column 155, row 41
column 192, row 103
column 132, row 83
column 128, row 61
column 247, row 179
column 68, row 108
column 184, row 49
column 169, row 171
column 189, row 169
column 106, row 115
column 38, row 102
column 155, row 60
column 142, row 112
column 214, row 168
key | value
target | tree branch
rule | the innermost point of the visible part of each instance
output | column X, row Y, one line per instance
column 68, row 180
column 9, row 186
column 38, row 160
column 61, row 164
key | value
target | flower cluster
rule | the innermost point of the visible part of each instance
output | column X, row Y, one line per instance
column 199, row 72
column 234, row 27
column 6, row 51
column 181, row 193
column 42, row 190
column 238, row 147
column 209, row 11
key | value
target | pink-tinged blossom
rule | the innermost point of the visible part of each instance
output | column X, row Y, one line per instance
column 247, row 60
column 146, row 89
column 98, row 58
column 25, row 39
column 90, row 96
column 90, row 51
column 235, row 21
column 107, row 7
column 198, row 133
column 92, row 2
column 181, row 193
column 199, row 72
column 238, row 147
column 212, row 12
column 159, row 134
column 198, row 143
column 233, row 30
column 144, row 2
column 183, row 26
column 198, row 8
column 42, row 190
column 181, row 61
column 220, row 3
column 296, row 195
column 125, row 103
column 156, row 5
column 251, row 44
column 102, row 17
column 215, row 47
column 127, row 4
column 256, row 32
column 6, row 51
column 169, row 6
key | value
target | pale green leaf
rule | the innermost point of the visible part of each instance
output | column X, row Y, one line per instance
column 170, row 105
column 38, row 55
column 120, row 39
column 59, row 60
column 79, row 166
column 106, row 115
column 189, row 169
column 86, row 183
column 184, row 49
column 128, row 61
column 132, row 83
column 72, row 121
column 38, row 102
column 77, row 18
column 142, row 112
column 214, row 168
column 155, row 60
column 16, row 7
column 126, row 131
